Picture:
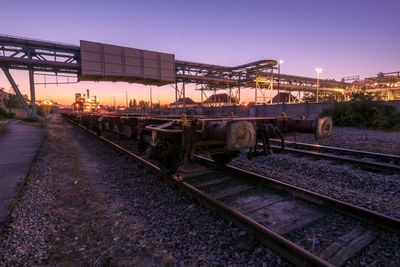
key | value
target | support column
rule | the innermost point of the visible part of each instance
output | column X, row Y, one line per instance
column 390, row 95
column 239, row 93
column 33, row 98
column 17, row 92
column 215, row 96
column 230, row 96
column 270, row 92
column 179, row 94
column 184, row 96
column 255, row 96
column 176, row 95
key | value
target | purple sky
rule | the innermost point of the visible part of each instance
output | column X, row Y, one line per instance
column 344, row 38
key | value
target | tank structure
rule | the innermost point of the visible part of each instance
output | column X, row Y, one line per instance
column 175, row 140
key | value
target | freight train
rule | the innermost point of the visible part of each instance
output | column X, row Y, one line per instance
column 175, row 140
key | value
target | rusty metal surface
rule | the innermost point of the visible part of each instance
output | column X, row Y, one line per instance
column 103, row 62
column 209, row 128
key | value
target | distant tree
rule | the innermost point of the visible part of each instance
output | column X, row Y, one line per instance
column 143, row 104
column 157, row 105
column 132, row 103
column 13, row 102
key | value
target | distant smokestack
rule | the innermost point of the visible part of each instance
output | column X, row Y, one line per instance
column 87, row 93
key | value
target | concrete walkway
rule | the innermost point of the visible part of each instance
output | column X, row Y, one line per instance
column 18, row 147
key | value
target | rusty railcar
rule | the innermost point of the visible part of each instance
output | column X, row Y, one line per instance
column 175, row 140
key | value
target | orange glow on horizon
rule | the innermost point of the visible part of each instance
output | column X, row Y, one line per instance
column 64, row 94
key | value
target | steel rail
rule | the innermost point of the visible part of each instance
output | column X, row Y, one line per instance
column 140, row 159
column 282, row 246
column 371, row 217
column 294, row 253
column 371, row 164
column 356, row 152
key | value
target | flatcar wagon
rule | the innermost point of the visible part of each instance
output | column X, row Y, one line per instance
column 175, row 140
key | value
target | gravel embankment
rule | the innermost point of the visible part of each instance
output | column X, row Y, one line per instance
column 348, row 183
column 84, row 204
column 355, row 138
column 375, row 191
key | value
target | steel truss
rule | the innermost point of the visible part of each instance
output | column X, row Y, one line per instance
column 51, row 57
column 261, row 91
column 212, row 78
column 387, row 84
column 33, row 55
column 210, row 92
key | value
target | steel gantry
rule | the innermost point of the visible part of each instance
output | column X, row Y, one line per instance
column 36, row 56
column 212, row 78
column 32, row 56
column 388, row 84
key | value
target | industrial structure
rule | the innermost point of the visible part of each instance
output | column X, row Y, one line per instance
column 85, row 103
column 175, row 140
column 101, row 62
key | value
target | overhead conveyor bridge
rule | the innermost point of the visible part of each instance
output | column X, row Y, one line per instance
column 102, row 62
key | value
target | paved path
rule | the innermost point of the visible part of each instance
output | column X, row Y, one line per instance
column 18, row 147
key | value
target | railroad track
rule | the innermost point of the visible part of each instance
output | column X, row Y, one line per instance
column 369, row 160
column 278, row 214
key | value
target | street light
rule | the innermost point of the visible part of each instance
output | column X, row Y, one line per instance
column 279, row 80
column 318, row 70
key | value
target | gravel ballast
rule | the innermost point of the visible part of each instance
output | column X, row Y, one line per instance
column 345, row 182
column 84, row 204
column 356, row 138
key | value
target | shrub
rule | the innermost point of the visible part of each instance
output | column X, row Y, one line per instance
column 42, row 110
column 6, row 115
column 362, row 111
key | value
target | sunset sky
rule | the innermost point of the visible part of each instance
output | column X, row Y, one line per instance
column 344, row 38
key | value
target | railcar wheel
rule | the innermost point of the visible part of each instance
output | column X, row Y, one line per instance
column 224, row 158
column 170, row 158
column 141, row 145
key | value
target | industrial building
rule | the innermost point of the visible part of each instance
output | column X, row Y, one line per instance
column 85, row 103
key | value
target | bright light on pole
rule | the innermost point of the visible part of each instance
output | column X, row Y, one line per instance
column 318, row 70
column 279, row 80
